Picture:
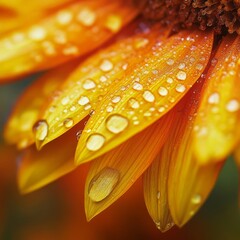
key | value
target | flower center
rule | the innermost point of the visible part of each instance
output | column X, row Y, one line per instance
column 222, row 16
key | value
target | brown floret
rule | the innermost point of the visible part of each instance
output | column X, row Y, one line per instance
column 223, row 16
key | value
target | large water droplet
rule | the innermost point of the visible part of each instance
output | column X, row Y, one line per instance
column 106, row 66
column 181, row 75
column 116, row 123
column 83, row 100
column 133, row 103
column 233, row 105
column 40, row 130
column 86, row 17
column 103, row 184
column 95, row 142
column 148, row 96
column 163, row 91
column 68, row 122
column 89, row 84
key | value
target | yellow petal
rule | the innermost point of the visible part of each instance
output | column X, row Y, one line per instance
column 15, row 13
column 115, row 172
column 148, row 91
column 189, row 183
column 19, row 125
column 217, row 124
column 38, row 168
column 72, row 31
column 156, row 192
column 83, row 90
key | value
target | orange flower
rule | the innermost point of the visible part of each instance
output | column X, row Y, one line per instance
column 158, row 99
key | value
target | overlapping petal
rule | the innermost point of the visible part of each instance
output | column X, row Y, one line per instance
column 115, row 172
column 217, row 124
column 19, row 126
column 38, row 168
column 148, row 91
column 156, row 191
column 82, row 91
column 188, row 182
column 72, row 31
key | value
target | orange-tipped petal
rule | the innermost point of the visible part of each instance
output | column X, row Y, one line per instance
column 115, row 172
column 82, row 91
column 217, row 123
column 72, row 31
column 38, row 168
column 19, row 126
column 148, row 91
column 156, row 192
column 189, row 183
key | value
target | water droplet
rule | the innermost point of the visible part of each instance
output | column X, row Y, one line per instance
column 95, row 142
column 106, row 66
column 89, row 84
column 133, row 103
column 181, row 66
column 170, row 62
column 233, row 105
column 163, row 91
column 103, row 79
column 137, row 86
column 65, row 101
column 214, row 98
column 72, row 108
column 161, row 109
column 113, row 22
column 148, row 96
column 78, row 134
column 68, row 122
column 158, row 195
column 116, row 99
column 169, row 80
column 199, row 66
column 109, row 109
column 180, row 88
column 181, row 75
column 64, row 17
column 86, row 17
column 40, row 130
column 83, row 100
column 196, row 199
column 103, row 184
column 116, row 123
column 37, row 33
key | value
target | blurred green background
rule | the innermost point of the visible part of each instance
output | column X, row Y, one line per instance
column 49, row 212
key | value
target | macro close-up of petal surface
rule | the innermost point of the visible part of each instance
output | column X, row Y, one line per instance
column 119, row 119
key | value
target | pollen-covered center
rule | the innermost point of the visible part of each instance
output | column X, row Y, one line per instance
column 223, row 16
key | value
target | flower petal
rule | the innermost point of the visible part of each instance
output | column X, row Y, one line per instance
column 156, row 192
column 148, row 91
column 115, row 172
column 15, row 13
column 38, row 168
column 83, row 90
column 189, row 183
column 70, row 32
column 217, row 124
column 19, row 126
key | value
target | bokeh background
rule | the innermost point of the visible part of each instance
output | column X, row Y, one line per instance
column 57, row 211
